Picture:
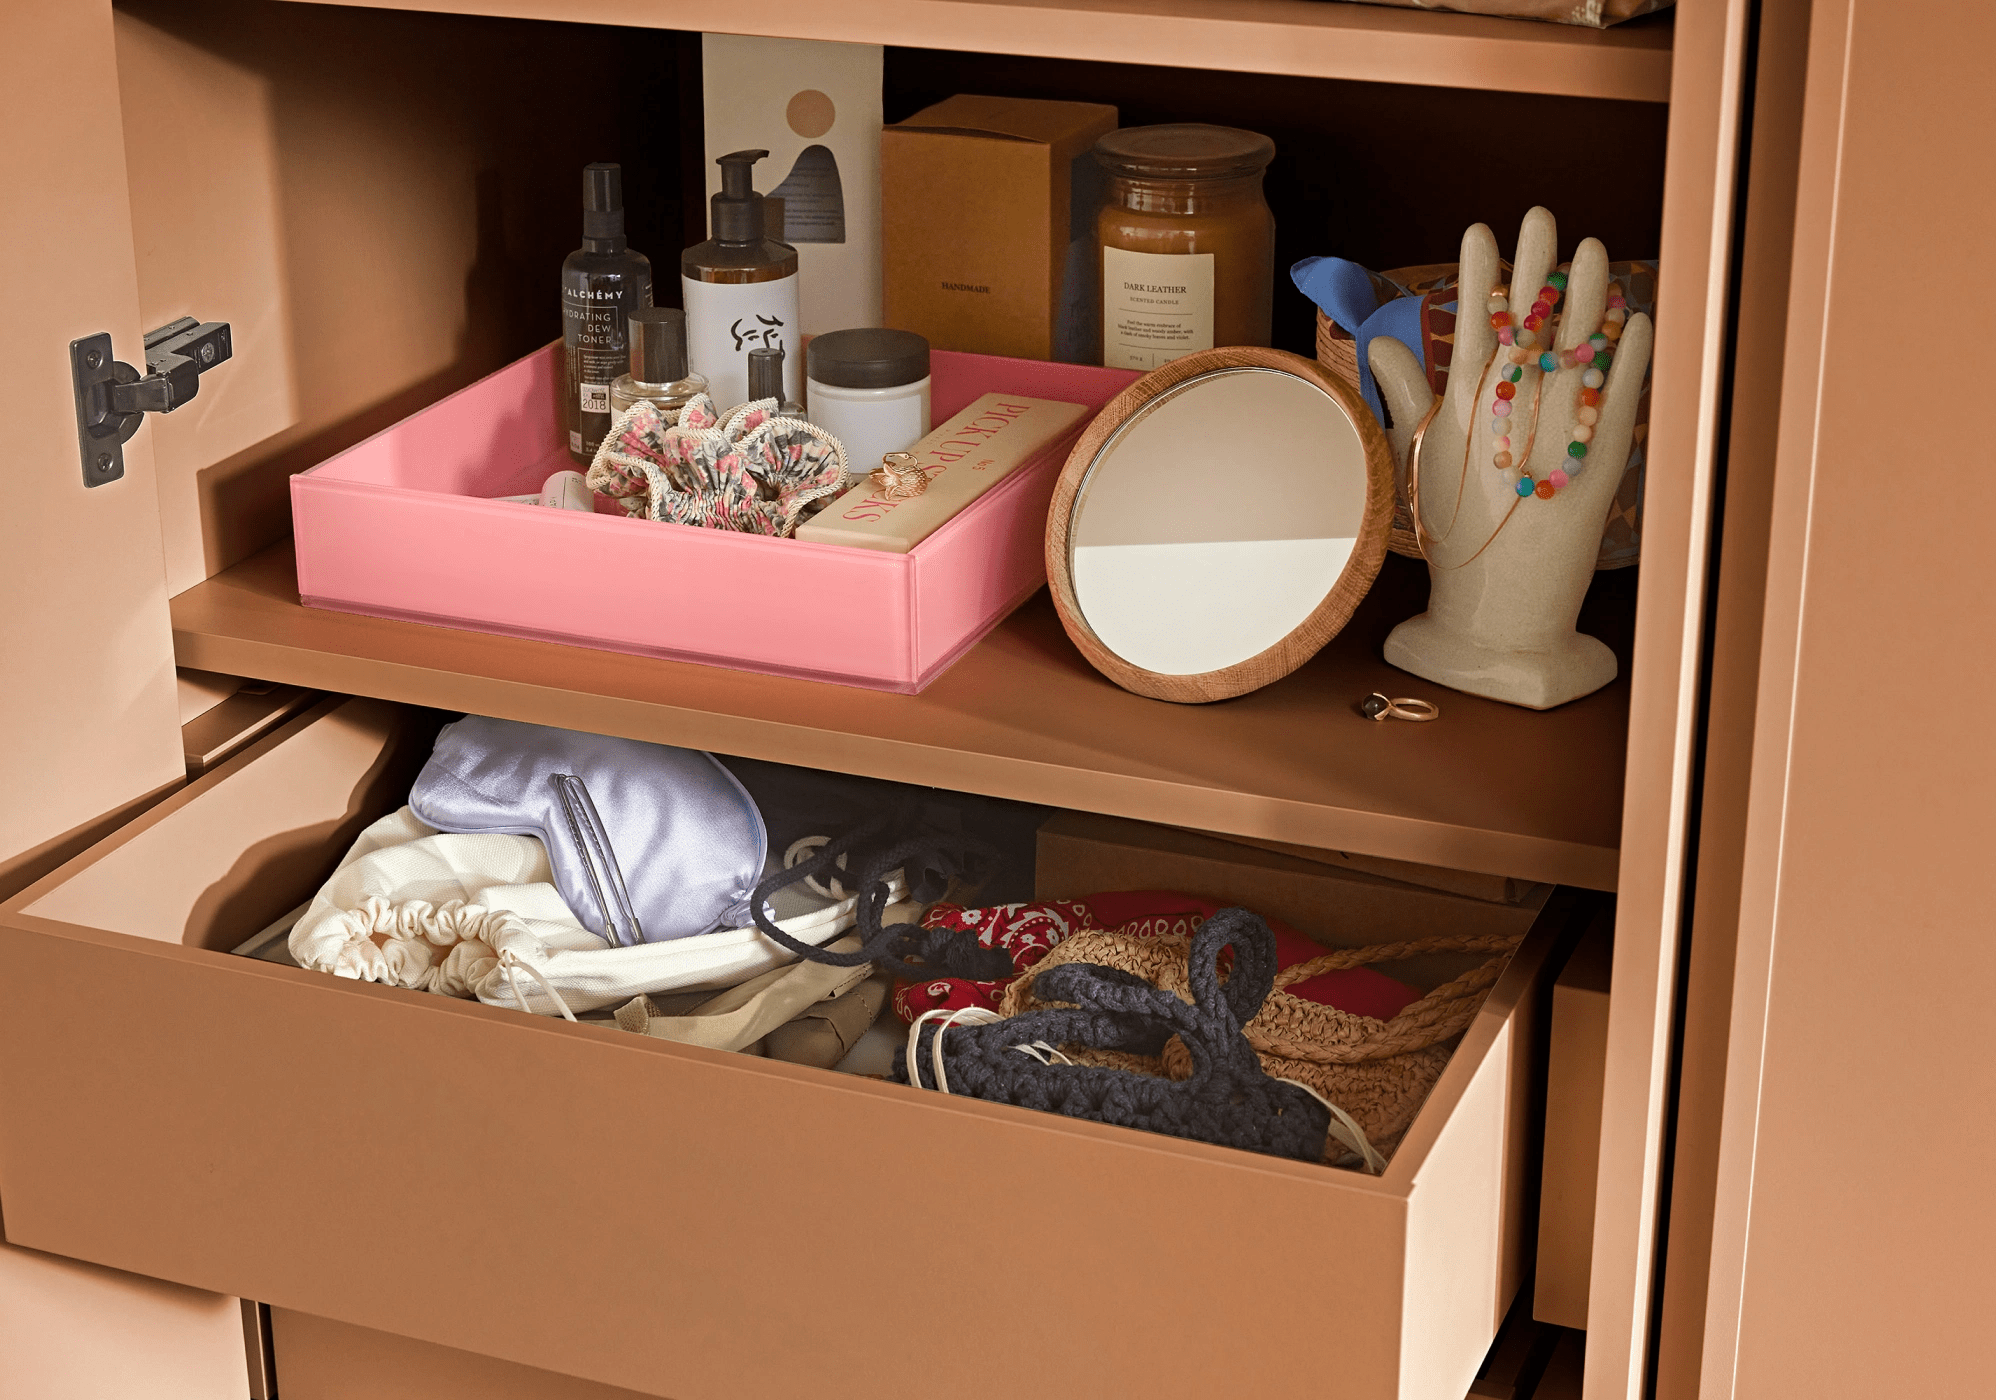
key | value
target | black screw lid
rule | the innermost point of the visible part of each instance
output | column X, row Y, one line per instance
column 765, row 373
column 658, row 345
column 869, row 357
column 603, row 204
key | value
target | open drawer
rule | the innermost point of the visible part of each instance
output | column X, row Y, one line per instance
column 682, row 1222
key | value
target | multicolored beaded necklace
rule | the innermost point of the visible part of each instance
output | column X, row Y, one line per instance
column 1592, row 357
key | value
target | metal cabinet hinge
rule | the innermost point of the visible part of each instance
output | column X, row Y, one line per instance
column 112, row 398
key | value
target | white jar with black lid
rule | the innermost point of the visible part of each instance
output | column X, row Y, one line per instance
column 869, row 387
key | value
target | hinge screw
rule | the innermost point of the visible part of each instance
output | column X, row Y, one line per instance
column 103, row 461
column 94, row 358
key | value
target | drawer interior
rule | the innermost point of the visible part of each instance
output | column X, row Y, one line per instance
column 231, row 869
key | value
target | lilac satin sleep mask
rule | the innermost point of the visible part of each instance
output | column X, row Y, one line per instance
column 648, row 843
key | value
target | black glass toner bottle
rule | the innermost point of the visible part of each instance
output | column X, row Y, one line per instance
column 602, row 283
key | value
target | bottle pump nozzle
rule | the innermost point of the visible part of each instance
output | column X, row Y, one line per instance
column 737, row 208
column 603, row 207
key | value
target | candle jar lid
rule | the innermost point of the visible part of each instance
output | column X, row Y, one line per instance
column 1184, row 151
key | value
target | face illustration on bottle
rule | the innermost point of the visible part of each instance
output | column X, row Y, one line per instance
column 762, row 331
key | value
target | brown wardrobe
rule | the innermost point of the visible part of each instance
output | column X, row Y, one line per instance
column 1786, row 793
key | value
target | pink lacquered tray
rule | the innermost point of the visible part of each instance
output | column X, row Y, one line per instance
column 400, row 526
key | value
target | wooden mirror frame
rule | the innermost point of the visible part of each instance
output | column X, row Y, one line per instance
column 1310, row 635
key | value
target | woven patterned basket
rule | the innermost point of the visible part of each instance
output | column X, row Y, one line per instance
column 1337, row 352
column 1595, row 14
column 1379, row 1072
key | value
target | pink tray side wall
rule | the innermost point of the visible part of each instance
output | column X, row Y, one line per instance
column 395, row 527
column 500, row 436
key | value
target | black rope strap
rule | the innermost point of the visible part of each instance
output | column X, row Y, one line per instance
column 895, row 839
column 1229, row 1099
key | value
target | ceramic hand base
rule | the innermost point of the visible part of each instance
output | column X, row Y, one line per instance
column 1508, row 573
column 1537, row 678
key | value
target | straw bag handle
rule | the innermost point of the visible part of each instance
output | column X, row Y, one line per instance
column 1443, row 1012
column 1344, row 958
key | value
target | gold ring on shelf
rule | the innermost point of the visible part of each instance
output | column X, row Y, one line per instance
column 1377, row 707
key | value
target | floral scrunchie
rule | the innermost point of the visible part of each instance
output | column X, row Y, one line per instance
column 754, row 471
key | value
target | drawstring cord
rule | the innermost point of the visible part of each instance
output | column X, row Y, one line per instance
column 928, row 860
column 969, row 1016
column 510, row 961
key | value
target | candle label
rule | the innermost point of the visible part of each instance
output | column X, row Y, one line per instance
column 1155, row 307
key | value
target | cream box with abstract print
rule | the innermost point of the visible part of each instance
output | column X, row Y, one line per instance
column 815, row 107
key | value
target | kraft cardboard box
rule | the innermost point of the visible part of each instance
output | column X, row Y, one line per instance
column 988, row 225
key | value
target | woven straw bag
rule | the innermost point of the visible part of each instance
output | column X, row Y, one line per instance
column 1594, row 14
column 1377, row 1071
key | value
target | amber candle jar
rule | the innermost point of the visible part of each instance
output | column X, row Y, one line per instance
column 1187, row 245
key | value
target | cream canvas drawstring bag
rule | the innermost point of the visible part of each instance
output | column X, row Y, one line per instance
column 478, row 915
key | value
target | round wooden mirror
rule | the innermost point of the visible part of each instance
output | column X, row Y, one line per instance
column 1218, row 522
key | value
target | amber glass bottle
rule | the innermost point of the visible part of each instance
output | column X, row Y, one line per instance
column 1187, row 242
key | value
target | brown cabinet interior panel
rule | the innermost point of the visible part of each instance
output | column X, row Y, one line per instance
column 378, row 202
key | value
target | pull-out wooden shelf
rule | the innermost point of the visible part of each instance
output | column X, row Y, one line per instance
column 1312, row 38
column 1488, row 788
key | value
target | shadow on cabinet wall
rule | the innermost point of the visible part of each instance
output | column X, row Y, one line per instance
column 379, row 202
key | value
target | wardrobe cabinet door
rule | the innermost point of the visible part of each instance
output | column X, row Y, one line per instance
column 1709, row 85
column 88, row 706
column 1854, row 1221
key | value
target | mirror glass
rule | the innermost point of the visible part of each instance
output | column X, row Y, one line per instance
column 1213, row 522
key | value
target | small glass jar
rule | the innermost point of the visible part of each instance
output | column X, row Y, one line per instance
column 658, row 365
column 869, row 388
column 1187, row 242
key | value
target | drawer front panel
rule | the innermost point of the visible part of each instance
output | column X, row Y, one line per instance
column 676, row 1221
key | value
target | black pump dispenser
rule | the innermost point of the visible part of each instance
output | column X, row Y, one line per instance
column 603, row 207
column 738, row 216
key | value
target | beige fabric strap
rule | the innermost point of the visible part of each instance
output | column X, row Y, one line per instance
column 1345, row 1131
column 744, row 1014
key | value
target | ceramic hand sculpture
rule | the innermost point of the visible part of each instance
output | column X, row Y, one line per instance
column 1514, row 470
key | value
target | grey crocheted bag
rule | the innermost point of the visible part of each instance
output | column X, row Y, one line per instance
column 1229, row 1098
